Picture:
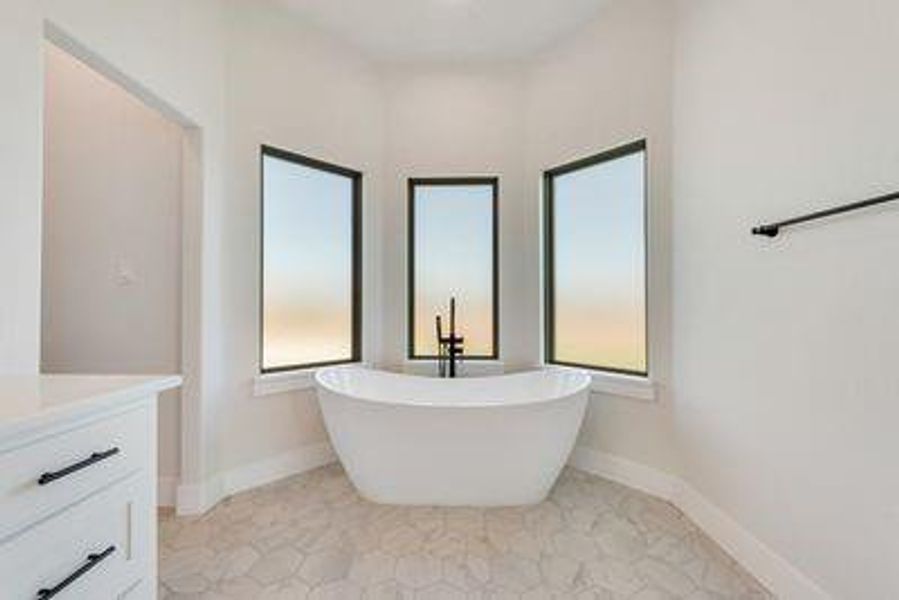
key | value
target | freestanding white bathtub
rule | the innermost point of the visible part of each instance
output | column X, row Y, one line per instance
column 489, row 441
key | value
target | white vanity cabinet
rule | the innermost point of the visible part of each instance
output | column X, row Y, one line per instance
column 78, row 486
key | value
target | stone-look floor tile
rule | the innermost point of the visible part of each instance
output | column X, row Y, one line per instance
column 575, row 545
column 514, row 572
column 724, row 580
column 193, row 583
column 337, row 590
column 373, row 567
column 666, row 577
column 526, row 544
column 614, row 575
column 239, row 589
column 427, row 519
column 446, row 544
column 440, row 591
column 232, row 563
column 401, row 540
column 292, row 589
column 562, row 573
column 387, row 590
column 496, row 593
column 325, row 566
column 545, row 593
column 652, row 593
column 464, row 520
column 418, row 570
column 699, row 594
column 180, row 563
column 276, row 566
column 469, row 572
column 313, row 536
column 544, row 520
column 618, row 538
column 596, row 593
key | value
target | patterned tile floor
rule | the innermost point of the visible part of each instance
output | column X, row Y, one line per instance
column 312, row 536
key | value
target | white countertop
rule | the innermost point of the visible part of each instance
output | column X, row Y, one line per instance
column 30, row 401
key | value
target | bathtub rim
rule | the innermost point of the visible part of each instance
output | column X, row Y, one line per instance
column 583, row 386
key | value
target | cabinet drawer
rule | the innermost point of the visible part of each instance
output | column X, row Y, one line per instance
column 115, row 521
column 74, row 464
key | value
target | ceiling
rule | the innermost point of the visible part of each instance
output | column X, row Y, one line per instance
column 447, row 30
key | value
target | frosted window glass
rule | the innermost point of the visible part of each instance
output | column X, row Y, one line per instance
column 598, row 265
column 307, row 292
column 453, row 257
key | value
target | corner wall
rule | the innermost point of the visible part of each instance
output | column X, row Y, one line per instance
column 457, row 120
column 785, row 350
column 180, row 68
column 20, row 188
column 288, row 86
column 612, row 84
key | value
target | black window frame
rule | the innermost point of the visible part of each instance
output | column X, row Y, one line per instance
column 413, row 183
column 549, row 341
column 357, row 266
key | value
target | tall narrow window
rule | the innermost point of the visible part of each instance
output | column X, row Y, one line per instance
column 453, row 254
column 311, row 267
column 595, row 262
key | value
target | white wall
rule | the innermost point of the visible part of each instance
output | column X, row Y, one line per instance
column 290, row 87
column 457, row 120
column 781, row 351
column 608, row 85
column 20, row 188
column 111, row 296
column 171, row 54
column 787, row 393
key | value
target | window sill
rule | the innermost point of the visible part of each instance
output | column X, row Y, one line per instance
column 267, row 384
column 627, row 386
column 467, row 368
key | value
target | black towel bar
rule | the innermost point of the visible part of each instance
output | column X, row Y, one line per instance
column 772, row 229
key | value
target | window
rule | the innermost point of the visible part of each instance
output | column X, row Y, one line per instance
column 311, row 265
column 453, row 254
column 595, row 262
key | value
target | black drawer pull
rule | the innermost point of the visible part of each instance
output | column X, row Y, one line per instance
column 92, row 561
column 96, row 457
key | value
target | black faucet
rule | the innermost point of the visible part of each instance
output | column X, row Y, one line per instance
column 449, row 348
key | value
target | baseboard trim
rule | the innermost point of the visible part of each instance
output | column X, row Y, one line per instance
column 197, row 498
column 624, row 471
column 166, row 491
column 772, row 570
column 278, row 467
column 775, row 572
column 194, row 499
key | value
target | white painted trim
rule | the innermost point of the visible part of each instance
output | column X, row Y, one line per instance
column 197, row 498
column 467, row 368
column 166, row 491
column 778, row 575
column 194, row 499
column 616, row 384
column 279, row 383
column 278, row 467
column 771, row 569
column 265, row 384
column 624, row 471
column 626, row 386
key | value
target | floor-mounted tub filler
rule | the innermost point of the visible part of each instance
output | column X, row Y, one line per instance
column 487, row 441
